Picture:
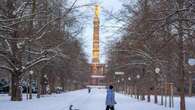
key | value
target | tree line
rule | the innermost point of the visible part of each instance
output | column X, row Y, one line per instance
column 39, row 39
column 156, row 34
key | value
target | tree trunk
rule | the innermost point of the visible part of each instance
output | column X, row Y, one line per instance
column 51, row 84
column 10, row 85
column 142, row 94
column 182, row 95
column 62, row 82
column 181, row 56
column 43, row 86
column 39, row 86
column 30, row 86
column 148, row 97
column 142, row 97
column 138, row 94
column 16, row 91
column 190, row 86
column 155, row 97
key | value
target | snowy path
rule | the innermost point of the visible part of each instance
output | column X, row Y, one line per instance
column 84, row 101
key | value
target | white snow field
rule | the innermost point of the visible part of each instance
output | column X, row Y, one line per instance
column 84, row 101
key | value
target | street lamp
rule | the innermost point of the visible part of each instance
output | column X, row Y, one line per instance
column 129, row 90
column 136, row 89
column 45, row 76
column 123, row 85
column 138, row 76
column 117, row 85
column 45, row 83
column 157, row 71
column 191, row 62
column 190, row 84
column 30, row 83
column 31, row 72
column 129, row 78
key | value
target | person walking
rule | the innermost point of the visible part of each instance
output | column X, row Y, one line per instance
column 89, row 90
column 110, row 98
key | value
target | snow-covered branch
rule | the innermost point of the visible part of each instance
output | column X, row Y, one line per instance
column 20, row 18
column 9, row 47
column 37, row 61
column 8, row 60
column 34, row 52
column 21, row 8
column 6, row 68
column 8, row 28
column 57, row 18
column 8, row 38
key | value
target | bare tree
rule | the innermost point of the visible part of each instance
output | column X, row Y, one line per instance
column 27, row 29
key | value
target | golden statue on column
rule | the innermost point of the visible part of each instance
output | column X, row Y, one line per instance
column 97, row 69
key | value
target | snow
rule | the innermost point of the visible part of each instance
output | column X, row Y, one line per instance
column 84, row 101
column 191, row 61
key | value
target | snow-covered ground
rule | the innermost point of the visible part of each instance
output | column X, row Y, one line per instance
column 84, row 101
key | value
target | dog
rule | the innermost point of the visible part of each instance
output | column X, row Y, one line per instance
column 71, row 108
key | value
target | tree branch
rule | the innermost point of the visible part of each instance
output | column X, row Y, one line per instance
column 6, row 68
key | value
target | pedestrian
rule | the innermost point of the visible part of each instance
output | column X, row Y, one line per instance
column 89, row 90
column 110, row 98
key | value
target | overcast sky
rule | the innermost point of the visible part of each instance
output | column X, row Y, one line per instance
column 105, row 35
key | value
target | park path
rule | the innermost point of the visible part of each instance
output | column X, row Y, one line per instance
column 82, row 101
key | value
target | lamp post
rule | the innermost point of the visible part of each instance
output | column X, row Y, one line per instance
column 118, row 85
column 191, row 62
column 30, row 83
column 190, row 84
column 136, row 90
column 138, row 76
column 123, row 84
column 39, row 86
column 157, row 71
column 129, row 78
column 45, row 84
column 129, row 88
